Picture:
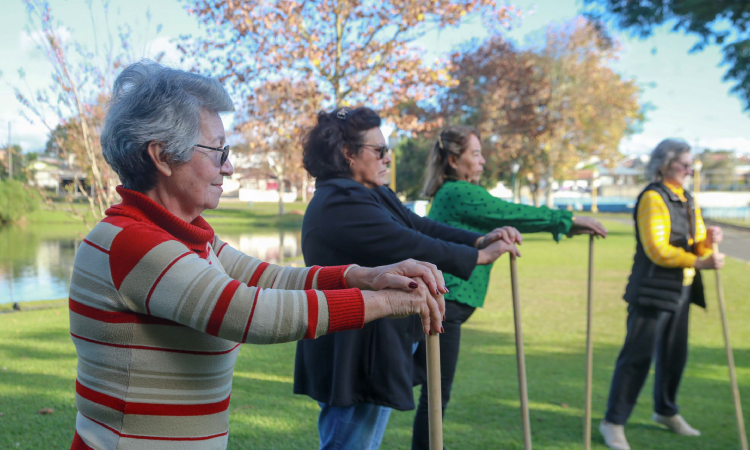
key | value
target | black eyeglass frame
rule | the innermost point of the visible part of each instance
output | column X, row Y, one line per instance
column 224, row 151
column 381, row 149
column 686, row 167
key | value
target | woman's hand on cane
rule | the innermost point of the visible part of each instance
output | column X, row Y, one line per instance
column 587, row 225
column 714, row 235
column 507, row 234
column 713, row 261
column 489, row 254
column 397, row 276
column 396, row 303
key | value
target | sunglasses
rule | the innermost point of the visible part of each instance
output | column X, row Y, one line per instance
column 224, row 151
column 381, row 149
column 684, row 166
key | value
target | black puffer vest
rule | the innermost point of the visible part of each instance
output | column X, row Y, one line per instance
column 661, row 287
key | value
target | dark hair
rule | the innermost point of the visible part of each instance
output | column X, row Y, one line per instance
column 451, row 141
column 323, row 147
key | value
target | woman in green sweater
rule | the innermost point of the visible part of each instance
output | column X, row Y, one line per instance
column 452, row 177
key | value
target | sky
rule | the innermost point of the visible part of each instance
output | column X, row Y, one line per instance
column 685, row 91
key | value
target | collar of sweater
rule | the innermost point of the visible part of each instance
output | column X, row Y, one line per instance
column 195, row 235
column 678, row 190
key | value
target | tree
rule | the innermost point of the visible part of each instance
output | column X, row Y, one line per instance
column 13, row 154
column 546, row 107
column 274, row 118
column 72, row 108
column 503, row 94
column 412, row 155
column 721, row 22
column 352, row 52
column 357, row 52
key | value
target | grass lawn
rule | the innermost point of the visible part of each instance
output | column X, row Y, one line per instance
column 229, row 214
column 37, row 366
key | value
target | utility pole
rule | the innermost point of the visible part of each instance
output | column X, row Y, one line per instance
column 10, row 155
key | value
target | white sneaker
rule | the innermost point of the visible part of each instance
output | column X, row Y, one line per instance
column 677, row 424
column 614, row 435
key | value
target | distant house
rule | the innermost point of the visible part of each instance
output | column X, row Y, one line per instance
column 258, row 185
column 56, row 174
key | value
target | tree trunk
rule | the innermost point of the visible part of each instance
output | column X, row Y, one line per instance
column 280, row 188
column 535, row 194
column 549, row 193
column 305, row 183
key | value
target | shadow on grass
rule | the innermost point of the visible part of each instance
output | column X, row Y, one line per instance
column 484, row 409
column 483, row 413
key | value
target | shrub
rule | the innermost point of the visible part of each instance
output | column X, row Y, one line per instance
column 16, row 200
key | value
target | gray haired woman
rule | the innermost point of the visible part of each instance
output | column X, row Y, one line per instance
column 673, row 246
column 159, row 305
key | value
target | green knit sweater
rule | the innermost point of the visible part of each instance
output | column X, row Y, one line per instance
column 471, row 207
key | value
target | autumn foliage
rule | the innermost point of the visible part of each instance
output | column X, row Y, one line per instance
column 546, row 107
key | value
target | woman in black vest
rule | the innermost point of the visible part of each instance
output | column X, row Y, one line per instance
column 673, row 246
column 357, row 377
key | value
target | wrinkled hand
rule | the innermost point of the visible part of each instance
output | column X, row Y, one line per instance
column 587, row 225
column 507, row 234
column 713, row 261
column 489, row 254
column 431, row 308
column 714, row 235
column 401, row 275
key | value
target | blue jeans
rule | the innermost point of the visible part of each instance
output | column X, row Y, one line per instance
column 357, row 427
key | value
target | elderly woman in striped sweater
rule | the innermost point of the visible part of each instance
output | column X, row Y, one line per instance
column 159, row 305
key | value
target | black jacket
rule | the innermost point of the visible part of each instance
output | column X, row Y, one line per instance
column 661, row 287
column 348, row 223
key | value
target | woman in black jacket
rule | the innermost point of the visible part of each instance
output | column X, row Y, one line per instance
column 358, row 376
column 673, row 245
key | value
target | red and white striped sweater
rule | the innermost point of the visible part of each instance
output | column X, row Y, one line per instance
column 158, row 310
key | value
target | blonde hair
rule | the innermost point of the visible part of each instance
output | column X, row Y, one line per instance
column 451, row 141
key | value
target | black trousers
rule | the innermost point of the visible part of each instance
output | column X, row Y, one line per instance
column 650, row 332
column 455, row 315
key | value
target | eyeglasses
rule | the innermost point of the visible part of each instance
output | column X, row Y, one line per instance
column 224, row 151
column 381, row 149
column 684, row 166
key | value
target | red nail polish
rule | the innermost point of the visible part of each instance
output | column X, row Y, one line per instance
column 442, row 330
column 413, row 285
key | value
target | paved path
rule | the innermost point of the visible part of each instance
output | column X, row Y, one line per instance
column 736, row 241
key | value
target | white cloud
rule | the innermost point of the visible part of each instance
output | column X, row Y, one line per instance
column 30, row 136
column 27, row 42
column 172, row 55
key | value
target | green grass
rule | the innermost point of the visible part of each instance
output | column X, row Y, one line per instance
column 35, row 305
column 37, row 366
column 229, row 214
column 260, row 215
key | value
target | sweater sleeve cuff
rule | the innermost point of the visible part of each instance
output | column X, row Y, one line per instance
column 346, row 310
column 332, row 278
column 564, row 224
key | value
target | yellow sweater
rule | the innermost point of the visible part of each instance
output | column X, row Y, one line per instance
column 654, row 226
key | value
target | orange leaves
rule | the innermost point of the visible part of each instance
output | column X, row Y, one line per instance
column 548, row 107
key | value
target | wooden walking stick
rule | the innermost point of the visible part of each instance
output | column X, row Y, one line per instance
column 521, row 360
column 434, row 397
column 730, row 361
column 589, row 349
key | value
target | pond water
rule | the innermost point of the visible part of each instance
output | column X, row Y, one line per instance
column 36, row 262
